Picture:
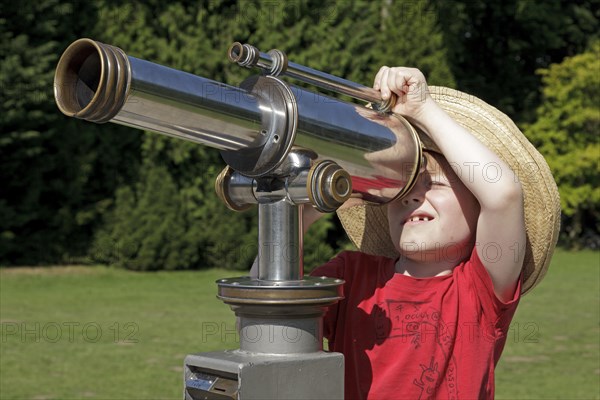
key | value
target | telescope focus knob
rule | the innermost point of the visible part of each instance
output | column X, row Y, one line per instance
column 328, row 185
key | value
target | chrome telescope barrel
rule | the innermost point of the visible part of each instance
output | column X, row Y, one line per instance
column 254, row 126
column 381, row 152
column 275, row 62
column 100, row 83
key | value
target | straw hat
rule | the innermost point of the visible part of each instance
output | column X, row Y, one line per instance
column 367, row 226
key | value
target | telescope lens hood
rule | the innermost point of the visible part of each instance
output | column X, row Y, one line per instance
column 92, row 81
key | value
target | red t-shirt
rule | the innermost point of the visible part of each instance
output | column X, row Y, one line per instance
column 410, row 338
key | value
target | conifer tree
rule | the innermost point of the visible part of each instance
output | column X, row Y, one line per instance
column 57, row 173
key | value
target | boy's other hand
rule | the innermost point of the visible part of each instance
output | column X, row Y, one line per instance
column 408, row 85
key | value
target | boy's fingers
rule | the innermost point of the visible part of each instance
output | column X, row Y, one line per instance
column 377, row 80
column 384, row 86
column 400, row 81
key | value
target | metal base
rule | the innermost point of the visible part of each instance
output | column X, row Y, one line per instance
column 280, row 314
column 237, row 374
column 316, row 291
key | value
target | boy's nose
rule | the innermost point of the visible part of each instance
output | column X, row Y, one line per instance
column 416, row 194
column 412, row 199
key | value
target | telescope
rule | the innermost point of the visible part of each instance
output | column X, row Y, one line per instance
column 286, row 148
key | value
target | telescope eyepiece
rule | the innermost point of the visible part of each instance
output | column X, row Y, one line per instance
column 243, row 54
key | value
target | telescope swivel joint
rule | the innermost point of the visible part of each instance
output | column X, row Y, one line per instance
column 322, row 183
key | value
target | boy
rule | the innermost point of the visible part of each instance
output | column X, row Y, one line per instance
column 431, row 321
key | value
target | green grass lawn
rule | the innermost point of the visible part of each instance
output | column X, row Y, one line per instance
column 553, row 347
column 95, row 332
column 105, row 333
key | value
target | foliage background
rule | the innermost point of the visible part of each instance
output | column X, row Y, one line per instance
column 73, row 191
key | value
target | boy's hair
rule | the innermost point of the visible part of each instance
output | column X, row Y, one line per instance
column 436, row 162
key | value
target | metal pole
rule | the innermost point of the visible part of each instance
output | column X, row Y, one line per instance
column 280, row 241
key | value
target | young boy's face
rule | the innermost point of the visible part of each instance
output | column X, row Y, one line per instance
column 437, row 219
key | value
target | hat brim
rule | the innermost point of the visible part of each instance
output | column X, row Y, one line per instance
column 367, row 226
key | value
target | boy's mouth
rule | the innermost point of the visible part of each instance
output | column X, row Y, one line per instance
column 418, row 218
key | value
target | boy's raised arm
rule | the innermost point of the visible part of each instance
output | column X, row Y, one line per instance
column 500, row 237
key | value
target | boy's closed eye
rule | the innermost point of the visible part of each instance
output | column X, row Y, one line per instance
column 439, row 183
column 432, row 183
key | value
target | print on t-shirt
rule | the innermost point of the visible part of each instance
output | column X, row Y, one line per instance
column 428, row 381
column 417, row 324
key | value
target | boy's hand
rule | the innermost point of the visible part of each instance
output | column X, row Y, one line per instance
column 410, row 87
